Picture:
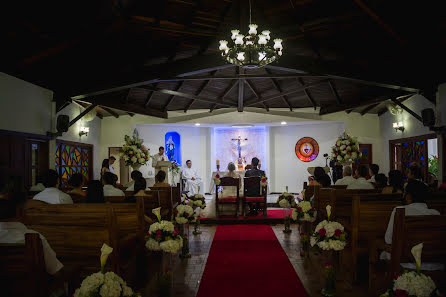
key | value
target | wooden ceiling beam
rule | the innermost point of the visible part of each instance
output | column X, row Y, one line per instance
column 224, row 94
column 99, row 115
column 171, row 97
column 241, row 92
column 198, row 92
column 414, row 114
column 256, row 93
column 276, row 85
column 149, row 97
column 308, row 94
column 335, row 92
column 288, row 92
column 240, row 76
column 110, row 111
column 369, row 108
column 382, row 111
column 84, row 112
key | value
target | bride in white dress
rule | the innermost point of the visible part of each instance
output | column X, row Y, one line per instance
column 227, row 191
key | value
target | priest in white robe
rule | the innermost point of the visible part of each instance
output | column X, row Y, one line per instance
column 194, row 184
column 159, row 157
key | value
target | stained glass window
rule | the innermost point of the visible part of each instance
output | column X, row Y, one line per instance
column 73, row 158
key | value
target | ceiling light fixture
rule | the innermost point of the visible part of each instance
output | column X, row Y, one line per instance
column 242, row 126
column 283, row 123
column 398, row 126
column 253, row 50
column 197, row 124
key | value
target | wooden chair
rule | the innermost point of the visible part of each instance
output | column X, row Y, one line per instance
column 77, row 198
column 409, row 231
column 228, row 182
column 437, row 201
column 165, row 201
column 254, row 182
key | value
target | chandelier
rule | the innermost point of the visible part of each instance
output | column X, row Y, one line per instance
column 253, row 50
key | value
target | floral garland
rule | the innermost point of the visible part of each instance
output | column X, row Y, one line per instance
column 413, row 283
column 102, row 284
column 134, row 152
column 329, row 235
column 198, row 201
column 184, row 214
column 263, row 181
column 304, row 211
column 163, row 236
column 175, row 167
column 346, row 149
column 286, row 200
column 217, row 179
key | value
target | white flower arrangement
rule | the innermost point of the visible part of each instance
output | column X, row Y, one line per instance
column 184, row 214
column 217, row 179
column 163, row 236
column 329, row 235
column 102, row 284
column 263, row 181
column 346, row 149
column 134, row 152
column 286, row 200
column 413, row 283
column 304, row 211
column 198, row 201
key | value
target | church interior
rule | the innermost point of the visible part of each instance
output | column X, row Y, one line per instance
column 223, row 148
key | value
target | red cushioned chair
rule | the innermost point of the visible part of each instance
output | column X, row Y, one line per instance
column 260, row 199
column 228, row 182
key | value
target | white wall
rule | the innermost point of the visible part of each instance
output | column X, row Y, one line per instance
column 412, row 126
column 93, row 137
column 24, row 107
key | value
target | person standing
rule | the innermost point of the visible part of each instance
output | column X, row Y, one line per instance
column 105, row 167
column 111, row 160
column 159, row 157
column 193, row 182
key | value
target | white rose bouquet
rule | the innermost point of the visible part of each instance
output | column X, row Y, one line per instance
column 217, row 179
column 102, row 284
column 163, row 236
column 414, row 283
column 346, row 149
column 329, row 235
column 286, row 200
column 184, row 214
column 198, row 201
column 134, row 152
column 304, row 211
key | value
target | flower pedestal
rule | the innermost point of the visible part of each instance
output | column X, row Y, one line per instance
column 165, row 276
column 136, row 166
column 197, row 229
column 305, row 233
column 184, row 231
column 287, row 220
column 329, row 262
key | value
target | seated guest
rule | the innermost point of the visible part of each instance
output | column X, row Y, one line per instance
column 414, row 172
column 105, row 167
column 76, row 181
column 361, row 182
column 13, row 231
column 194, row 184
column 95, row 192
column 396, row 183
column 139, row 190
column 319, row 178
column 373, row 171
column 247, row 167
column 347, row 179
column 39, row 187
column 134, row 176
column 52, row 194
column 254, row 191
column 380, row 181
column 416, row 192
column 108, row 181
column 159, row 178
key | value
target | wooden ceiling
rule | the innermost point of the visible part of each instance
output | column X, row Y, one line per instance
column 150, row 57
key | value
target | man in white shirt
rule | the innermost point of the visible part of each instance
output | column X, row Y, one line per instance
column 159, row 157
column 52, row 194
column 361, row 183
column 194, row 185
column 347, row 179
column 111, row 160
column 373, row 171
column 109, row 189
column 416, row 192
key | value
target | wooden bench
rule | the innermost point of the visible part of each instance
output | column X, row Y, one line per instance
column 409, row 231
column 23, row 272
column 437, row 201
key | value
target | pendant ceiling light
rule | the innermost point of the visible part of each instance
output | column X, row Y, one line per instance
column 253, row 50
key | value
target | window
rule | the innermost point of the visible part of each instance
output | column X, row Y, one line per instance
column 73, row 158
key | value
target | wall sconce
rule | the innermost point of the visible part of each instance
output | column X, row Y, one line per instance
column 398, row 126
column 84, row 131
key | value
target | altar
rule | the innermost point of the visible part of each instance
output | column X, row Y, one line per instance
column 222, row 174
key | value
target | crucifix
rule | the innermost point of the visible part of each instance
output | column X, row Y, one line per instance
column 239, row 147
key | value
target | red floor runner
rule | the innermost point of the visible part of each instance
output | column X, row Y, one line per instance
column 248, row 260
column 270, row 214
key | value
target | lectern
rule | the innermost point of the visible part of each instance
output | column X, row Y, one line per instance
column 164, row 166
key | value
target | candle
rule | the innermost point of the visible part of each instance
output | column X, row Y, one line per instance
column 218, row 162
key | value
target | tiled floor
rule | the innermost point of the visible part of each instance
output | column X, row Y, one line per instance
column 188, row 272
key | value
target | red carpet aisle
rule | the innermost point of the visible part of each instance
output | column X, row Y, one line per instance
column 247, row 260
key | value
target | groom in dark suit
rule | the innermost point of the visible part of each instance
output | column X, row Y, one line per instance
column 254, row 191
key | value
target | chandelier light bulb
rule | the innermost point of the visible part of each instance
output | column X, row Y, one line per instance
column 262, row 39
column 278, row 44
column 239, row 39
column 223, row 45
column 280, row 52
column 234, row 34
column 252, row 29
column 266, row 33
column 241, row 56
column 262, row 56
column 249, row 42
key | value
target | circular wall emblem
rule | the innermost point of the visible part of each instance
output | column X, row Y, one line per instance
column 307, row 149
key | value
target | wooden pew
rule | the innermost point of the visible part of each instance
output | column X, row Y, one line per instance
column 22, row 269
column 164, row 196
column 409, row 231
column 437, row 201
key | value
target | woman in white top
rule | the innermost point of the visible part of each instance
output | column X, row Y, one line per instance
column 227, row 191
